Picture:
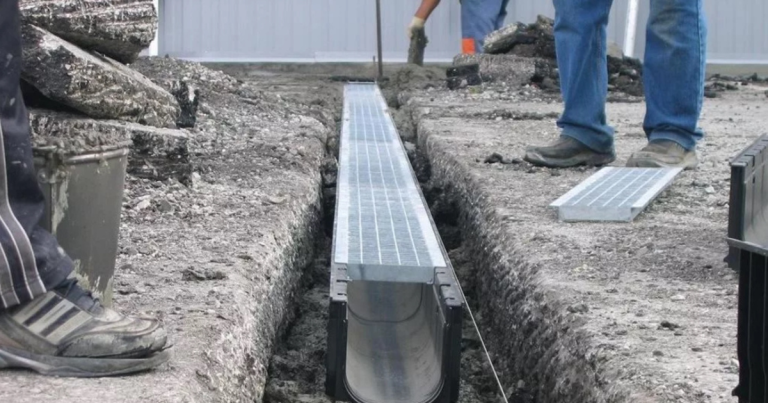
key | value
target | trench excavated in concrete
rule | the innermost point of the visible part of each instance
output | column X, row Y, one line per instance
column 394, row 330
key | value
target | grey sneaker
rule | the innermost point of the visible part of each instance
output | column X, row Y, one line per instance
column 66, row 332
column 662, row 154
column 567, row 152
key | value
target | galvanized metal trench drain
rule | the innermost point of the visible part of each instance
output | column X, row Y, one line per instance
column 394, row 332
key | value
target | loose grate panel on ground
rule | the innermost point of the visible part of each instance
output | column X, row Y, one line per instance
column 383, row 230
column 614, row 194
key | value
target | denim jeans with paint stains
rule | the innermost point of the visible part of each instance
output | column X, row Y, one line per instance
column 481, row 17
column 674, row 69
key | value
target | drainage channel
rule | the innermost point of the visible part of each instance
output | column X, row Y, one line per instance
column 413, row 356
column 396, row 309
column 297, row 370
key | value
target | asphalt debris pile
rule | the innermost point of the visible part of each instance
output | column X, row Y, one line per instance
column 718, row 83
column 83, row 95
column 537, row 41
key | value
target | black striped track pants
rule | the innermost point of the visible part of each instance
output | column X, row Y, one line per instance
column 31, row 260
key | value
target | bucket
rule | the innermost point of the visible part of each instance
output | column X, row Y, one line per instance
column 83, row 195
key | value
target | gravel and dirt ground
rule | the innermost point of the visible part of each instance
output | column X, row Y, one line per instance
column 642, row 312
column 220, row 260
column 593, row 312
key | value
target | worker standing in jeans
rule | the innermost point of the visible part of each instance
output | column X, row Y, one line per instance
column 48, row 323
column 478, row 19
column 673, row 78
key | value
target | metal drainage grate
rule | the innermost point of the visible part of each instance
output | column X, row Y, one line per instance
column 383, row 231
column 614, row 194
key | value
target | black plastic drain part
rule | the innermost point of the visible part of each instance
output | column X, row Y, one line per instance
column 748, row 241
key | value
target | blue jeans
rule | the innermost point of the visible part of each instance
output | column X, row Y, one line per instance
column 481, row 17
column 673, row 75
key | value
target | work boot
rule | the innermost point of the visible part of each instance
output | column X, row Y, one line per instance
column 567, row 152
column 663, row 153
column 67, row 332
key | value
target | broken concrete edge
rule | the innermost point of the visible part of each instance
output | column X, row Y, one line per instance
column 69, row 134
column 531, row 335
column 94, row 85
column 77, row 133
column 120, row 30
column 238, row 362
column 235, row 364
column 514, row 70
column 502, row 39
column 155, row 153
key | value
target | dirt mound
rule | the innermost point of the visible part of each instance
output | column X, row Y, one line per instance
column 410, row 78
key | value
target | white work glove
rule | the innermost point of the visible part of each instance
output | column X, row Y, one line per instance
column 416, row 23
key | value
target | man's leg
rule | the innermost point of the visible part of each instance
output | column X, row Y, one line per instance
column 675, row 63
column 502, row 15
column 31, row 261
column 478, row 19
column 581, row 43
column 47, row 322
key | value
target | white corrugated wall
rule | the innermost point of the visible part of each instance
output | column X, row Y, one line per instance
column 299, row 30
column 345, row 30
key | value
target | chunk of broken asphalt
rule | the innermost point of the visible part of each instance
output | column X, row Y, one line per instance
column 165, row 207
column 496, row 158
column 456, row 83
column 580, row 308
column 463, row 70
column 669, row 325
column 474, row 80
column 193, row 274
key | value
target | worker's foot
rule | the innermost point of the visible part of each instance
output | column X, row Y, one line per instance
column 567, row 152
column 663, row 153
column 66, row 332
